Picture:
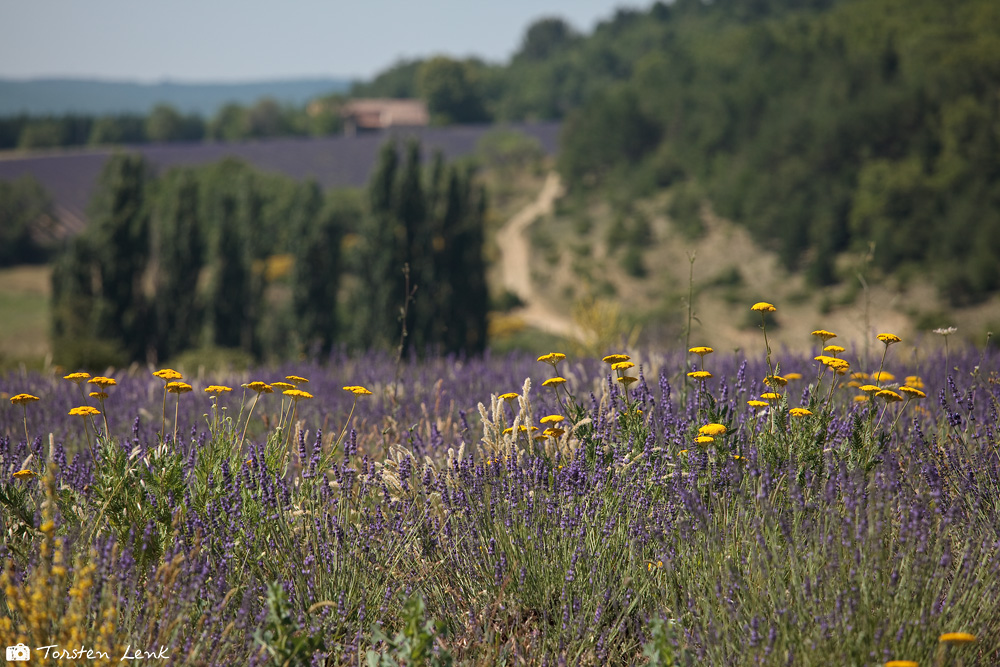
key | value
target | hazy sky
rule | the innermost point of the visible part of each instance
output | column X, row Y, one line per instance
column 217, row 40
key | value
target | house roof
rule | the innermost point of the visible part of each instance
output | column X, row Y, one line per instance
column 381, row 113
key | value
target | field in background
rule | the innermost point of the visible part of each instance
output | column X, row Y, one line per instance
column 24, row 315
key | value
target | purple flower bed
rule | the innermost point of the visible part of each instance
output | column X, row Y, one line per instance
column 862, row 531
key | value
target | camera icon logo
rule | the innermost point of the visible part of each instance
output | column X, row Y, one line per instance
column 18, row 653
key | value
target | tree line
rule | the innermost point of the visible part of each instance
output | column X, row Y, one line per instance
column 227, row 257
column 266, row 118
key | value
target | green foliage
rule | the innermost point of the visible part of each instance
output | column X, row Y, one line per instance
column 822, row 126
column 120, row 247
column 281, row 637
column 25, row 208
column 165, row 124
column 609, row 133
column 317, row 268
column 422, row 257
column 398, row 81
column 661, row 649
column 451, row 90
column 544, row 38
column 414, row 643
column 180, row 258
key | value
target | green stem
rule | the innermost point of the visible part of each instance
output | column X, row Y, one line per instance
column 27, row 440
column 177, row 409
column 249, row 416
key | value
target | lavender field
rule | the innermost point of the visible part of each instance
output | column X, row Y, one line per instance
column 662, row 508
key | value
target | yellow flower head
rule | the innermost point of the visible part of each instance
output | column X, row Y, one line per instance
column 870, row 388
column 860, row 375
column 912, row 393
column 839, row 365
column 553, row 432
column 824, row 335
column 775, row 381
column 860, row 398
column 701, row 351
column 23, row 399
column 84, row 411
column 914, row 381
column 510, row 395
column 763, row 307
column 24, row 474
column 889, row 338
column 902, row 663
column 99, row 395
column 297, row 393
column 757, row 404
column 799, row 412
column 102, row 382
column 282, row 386
column 883, row 376
column 259, row 387
column 627, row 380
column 168, row 374
column 683, row 451
column 178, row 387
column 551, row 419
column 699, row 375
column 957, row 638
column 889, row 396
column 552, row 358
column 833, row 349
column 823, row 358
column 793, row 376
column 357, row 390
column 551, row 382
column 217, row 389
column 76, row 377
column 296, row 379
column 712, row 429
column 622, row 366
column 704, row 439
column 616, row 358
column 771, row 396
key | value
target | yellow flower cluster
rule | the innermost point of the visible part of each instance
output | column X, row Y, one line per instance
column 23, row 399
column 296, row 394
column 358, row 390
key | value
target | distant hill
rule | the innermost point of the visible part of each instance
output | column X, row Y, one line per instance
column 94, row 97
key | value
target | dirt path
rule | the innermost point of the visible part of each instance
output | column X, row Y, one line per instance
column 515, row 260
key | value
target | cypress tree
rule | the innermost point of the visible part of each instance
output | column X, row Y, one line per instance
column 411, row 211
column 316, row 273
column 257, row 247
column 73, row 291
column 381, row 259
column 180, row 255
column 230, row 291
column 120, row 236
